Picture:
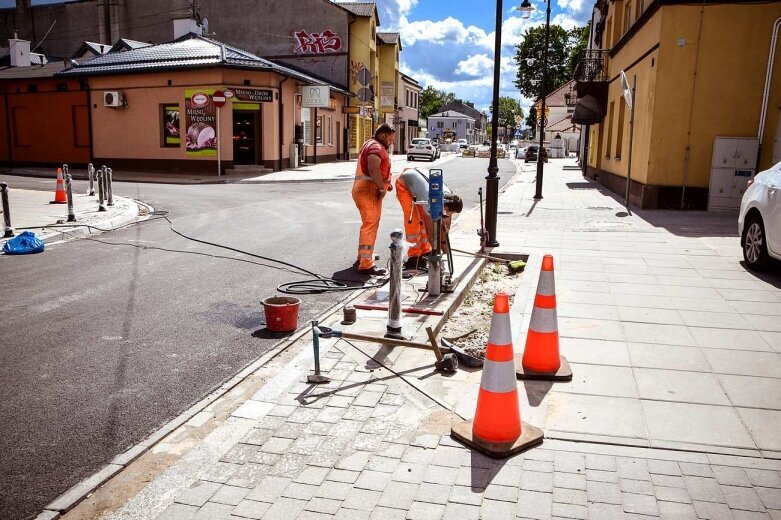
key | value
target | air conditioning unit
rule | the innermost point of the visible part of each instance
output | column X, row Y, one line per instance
column 113, row 99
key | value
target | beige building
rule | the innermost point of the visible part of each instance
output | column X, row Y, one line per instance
column 406, row 123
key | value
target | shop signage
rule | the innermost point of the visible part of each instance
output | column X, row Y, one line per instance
column 200, row 122
column 412, row 122
column 315, row 96
column 228, row 93
column 253, row 94
column 351, row 110
column 171, row 125
column 317, row 43
column 386, row 94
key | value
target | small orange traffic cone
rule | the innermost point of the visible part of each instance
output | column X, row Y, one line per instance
column 497, row 429
column 59, row 194
column 541, row 359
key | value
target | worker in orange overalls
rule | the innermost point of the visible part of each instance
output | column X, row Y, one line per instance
column 372, row 182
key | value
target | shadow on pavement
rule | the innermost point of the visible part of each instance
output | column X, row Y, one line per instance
column 771, row 276
column 536, row 391
column 484, row 469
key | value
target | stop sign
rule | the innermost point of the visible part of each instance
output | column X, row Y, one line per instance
column 218, row 98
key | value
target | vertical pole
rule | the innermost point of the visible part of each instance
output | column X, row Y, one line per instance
column 101, row 189
column 541, row 115
column 69, row 193
column 91, row 175
column 9, row 231
column 631, row 138
column 393, row 327
column 316, row 378
column 219, row 147
column 110, row 183
column 492, row 180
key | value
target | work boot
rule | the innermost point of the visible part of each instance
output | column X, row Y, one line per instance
column 373, row 271
column 358, row 262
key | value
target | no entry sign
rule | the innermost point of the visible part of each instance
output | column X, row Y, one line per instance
column 218, row 98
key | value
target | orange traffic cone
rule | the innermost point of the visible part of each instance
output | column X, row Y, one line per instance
column 497, row 429
column 59, row 194
column 541, row 359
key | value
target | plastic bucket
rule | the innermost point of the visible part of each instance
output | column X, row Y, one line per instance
column 281, row 313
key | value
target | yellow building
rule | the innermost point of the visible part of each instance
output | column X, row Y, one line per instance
column 379, row 55
column 701, row 73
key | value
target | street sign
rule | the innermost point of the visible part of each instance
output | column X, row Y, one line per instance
column 365, row 94
column 543, row 121
column 364, row 77
column 218, row 98
column 627, row 90
column 228, row 93
column 315, row 96
column 518, row 119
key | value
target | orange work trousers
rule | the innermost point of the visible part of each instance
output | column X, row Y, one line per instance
column 369, row 202
column 416, row 229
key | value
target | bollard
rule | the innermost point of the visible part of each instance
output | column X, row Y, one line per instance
column 9, row 231
column 393, row 328
column 101, row 190
column 317, row 377
column 109, row 183
column 69, row 193
column 91, row 174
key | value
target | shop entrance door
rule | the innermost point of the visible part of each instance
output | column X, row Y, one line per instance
column 245, row 137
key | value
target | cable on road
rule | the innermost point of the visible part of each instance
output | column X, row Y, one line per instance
column 317, row 285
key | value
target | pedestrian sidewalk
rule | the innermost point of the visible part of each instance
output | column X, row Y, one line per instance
column 673, row 411
column 31, row 210
column 336, row 171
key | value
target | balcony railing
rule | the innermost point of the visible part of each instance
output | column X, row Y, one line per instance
column 592, row 66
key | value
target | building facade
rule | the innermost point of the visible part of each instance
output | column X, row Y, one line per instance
column 480, row 120
column 700, row 73
column 451, row 125
column 407, row 120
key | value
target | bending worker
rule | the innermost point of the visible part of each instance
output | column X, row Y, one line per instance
column 412, row 192
column 372, row 182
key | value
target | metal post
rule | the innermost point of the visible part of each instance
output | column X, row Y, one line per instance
column 91, row 175
column 101, row 189
column 541, row 115
column 492, row 180
column 631, row 137
column 316, row 378
column 393, row 327
column 9, row 231
column 435, row 262
column 69, row 193
column 219, row 148
column 110, row 183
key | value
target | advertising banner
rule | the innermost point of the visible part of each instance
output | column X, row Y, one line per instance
column 200, row 122
column 252, row 94
column 315, row 96
column 386, row 94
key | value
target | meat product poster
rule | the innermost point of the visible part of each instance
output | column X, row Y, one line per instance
column 200, row 122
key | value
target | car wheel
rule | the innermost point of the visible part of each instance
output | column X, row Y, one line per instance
column 409, row 158
column 755, row 243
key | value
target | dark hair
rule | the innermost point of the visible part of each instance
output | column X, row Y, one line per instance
column 384, row 128
column 454, row 204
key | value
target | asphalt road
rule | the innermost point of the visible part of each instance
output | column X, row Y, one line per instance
column 105, row 340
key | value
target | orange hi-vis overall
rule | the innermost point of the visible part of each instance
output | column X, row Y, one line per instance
column 368, row 199
column 416, row 228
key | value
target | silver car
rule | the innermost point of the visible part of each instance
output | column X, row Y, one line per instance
column 421, row 147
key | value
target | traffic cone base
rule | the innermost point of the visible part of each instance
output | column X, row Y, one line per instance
column 530, row 436
column 564, row 373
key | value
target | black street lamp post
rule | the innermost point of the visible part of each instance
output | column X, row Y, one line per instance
column 492, row 180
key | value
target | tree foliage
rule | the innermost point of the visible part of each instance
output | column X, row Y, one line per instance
column 431, row 100
column 531, row 120
column 509, row 108
column 563, row 49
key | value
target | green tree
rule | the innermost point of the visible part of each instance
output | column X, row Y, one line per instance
column 529, row 58
column 531, row 120
column 431, row 100
column 578, row 43
column 509, row 109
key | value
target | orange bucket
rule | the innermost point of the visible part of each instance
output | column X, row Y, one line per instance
column 281, row 313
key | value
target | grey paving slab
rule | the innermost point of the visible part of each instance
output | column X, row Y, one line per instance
column 763, row 425
column 646, row 355
column 435, row 493
column 679, row 386
column 213, row 511
column 399, row 495
column 695, row 423
column 672, row 494
column 658, row 333
column 597, row 415
column 605, row 492
column 570, row 480
column 465, row 495
column 764, row 478
column 198, row 494
column 600, row 380
column 230, row 495
column 178, row 512
column 595, row 352
column 461, row 512
column 740, row 362
column 386, row 513
column 677, row 510
column 251, row 509
column 590, row 329
column 286, row 508
column 704, row 489
column 720, row 320
column 770, row 497
column 732, row 339
column 639, row 504
column 650, row 315
column 333, row 490
column 711, row 511
column 752, row 392
column 744, row 498
column 425, row 511
column 600, row 511
column 571, row 511
column 361, row 499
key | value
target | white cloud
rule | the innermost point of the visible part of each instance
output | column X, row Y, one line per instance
column 448, row 31
column 475, row 65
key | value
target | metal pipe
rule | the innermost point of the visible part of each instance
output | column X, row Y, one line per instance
column 316, row 378
column 69, row 193
column 541, row 115
column 101, row 189
column 91, row 175
column 9, row 230
column 492, row 180
column 110, row 183
column 393, row 326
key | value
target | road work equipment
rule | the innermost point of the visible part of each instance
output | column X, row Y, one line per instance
column 436, row 193
column 281, row 313
column 317, row 377
column 411, row 187
column 497, row 429
column 59, row 192
column 9, row 231
column 445, row 362
column 541, row 359
column 394, row 302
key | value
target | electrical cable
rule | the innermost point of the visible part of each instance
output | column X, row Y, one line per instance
column 317, row 285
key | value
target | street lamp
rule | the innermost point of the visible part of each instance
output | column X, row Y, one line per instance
column 526, row 9
column 492, row 180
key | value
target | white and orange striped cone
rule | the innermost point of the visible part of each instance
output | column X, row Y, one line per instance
column 59, row 194
column 541, row 359
column 497, row 429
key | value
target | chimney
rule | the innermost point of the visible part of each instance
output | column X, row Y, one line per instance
column 19, row 51
column 184, row 26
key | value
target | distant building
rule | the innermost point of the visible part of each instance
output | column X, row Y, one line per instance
column 451, row 125
column 480, row 120
column 407, row 119
column 560, row 104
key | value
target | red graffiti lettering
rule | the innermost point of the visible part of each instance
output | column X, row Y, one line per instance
column 317, row 43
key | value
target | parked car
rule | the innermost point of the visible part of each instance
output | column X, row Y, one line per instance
column 520, row 153
column 421, row 147
column 759, row 220
column 531, row 153
column 486, row 143
column 462, row 143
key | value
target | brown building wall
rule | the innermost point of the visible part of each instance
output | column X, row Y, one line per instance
column 46, row 127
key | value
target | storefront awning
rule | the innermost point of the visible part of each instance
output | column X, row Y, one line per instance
column 587, row 111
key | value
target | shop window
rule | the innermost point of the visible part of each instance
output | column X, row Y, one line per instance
column 620, row 128
column 330, row 131
column 170, row 128
column 627, row 16
column 319, row 130
column 609, row 141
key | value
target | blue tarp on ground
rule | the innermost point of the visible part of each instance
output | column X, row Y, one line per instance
column 26, row 243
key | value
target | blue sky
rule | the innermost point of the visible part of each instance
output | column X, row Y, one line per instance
column 449, row 44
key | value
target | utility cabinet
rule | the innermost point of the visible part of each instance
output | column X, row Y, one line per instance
column 734, row 163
